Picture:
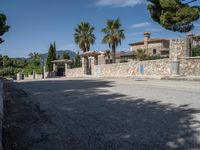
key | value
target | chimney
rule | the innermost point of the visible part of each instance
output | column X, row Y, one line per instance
column 147, row 36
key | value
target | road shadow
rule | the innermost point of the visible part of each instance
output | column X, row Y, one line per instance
column 85, row 115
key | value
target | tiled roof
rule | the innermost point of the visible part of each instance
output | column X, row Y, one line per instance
column 124, row 54
column 155, row 40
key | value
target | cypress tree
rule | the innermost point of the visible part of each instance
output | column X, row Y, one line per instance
column 51, row 57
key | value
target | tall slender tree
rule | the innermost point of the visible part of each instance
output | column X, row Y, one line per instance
column 3, row 26
column 84, row 36
column 114, row 34
column 174, row 15
column 51, row 57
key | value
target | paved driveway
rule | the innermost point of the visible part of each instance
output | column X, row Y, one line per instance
column 105, row 114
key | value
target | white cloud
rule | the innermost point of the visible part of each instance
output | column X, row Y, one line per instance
column 141, row 25
column 118, row 3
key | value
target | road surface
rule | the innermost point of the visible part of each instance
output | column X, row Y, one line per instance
column 102, row 114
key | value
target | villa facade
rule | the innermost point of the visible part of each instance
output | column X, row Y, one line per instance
column 152, row 46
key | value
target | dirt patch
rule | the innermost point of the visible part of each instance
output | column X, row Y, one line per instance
column 23, row 120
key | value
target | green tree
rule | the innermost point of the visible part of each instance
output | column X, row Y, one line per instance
column 66, row 56
column 113, row 35
column 34, row 56
column 51, row 57
column 84, row 36
column 78, row 60
column 6, row 61
column 174, row 15
column 3, row 26
column 1, row 60
column 141, row 54
column 196, row 51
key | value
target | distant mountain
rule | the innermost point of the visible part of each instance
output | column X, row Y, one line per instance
column 59, row 54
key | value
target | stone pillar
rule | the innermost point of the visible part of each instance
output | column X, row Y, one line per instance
column 147, row 36
column 19, row 76
column 34, row 73
column 96, row 60
column 85, row 65
column 54, row 68
column 101, row 59
column 67, row 67
column 178, row 52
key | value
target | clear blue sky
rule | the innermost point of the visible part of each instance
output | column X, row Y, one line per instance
column 36, row 23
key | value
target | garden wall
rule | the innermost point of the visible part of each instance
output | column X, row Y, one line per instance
column 136, row 68
column 190, row 66
column 150, row 68
column 31, row 77
column 75, row 72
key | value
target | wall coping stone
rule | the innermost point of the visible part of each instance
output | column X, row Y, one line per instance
column 198, row 57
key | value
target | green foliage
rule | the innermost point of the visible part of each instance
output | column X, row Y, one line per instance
column 10, row 67
column 141, row 54
column 84, row 36
column 153, row 57
column 77, row 61
column 66, row 56
column 196, row 51
column 33, row 65
column 174, row 15
column 51, row 57
column 3, row 27
column 113, row 35
column 123, row 61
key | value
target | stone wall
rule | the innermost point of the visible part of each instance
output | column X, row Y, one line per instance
column 190, row 66
column 75, row 72
column 136, row 68
column 178, row 49
column 32, row 77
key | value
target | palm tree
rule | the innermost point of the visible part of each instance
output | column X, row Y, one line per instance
column 84, row 36
column 108, row 54
column 113, row 35
column 34, row 56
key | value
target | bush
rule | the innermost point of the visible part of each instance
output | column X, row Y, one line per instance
column 196, row 51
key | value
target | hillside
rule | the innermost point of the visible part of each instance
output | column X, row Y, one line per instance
column 59, row 54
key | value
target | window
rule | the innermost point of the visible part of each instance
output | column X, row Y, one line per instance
column 154, row 51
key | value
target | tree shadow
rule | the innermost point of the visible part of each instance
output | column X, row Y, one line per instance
column 85, row 115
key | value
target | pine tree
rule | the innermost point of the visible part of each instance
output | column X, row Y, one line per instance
column 174, row 15
column 3, row 27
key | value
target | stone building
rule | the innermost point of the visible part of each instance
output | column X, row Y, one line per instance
column 153, row 46
column 193, row 42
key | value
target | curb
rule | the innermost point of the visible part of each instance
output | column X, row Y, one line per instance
column 181, row 78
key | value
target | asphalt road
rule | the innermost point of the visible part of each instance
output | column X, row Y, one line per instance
column 106, row 114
